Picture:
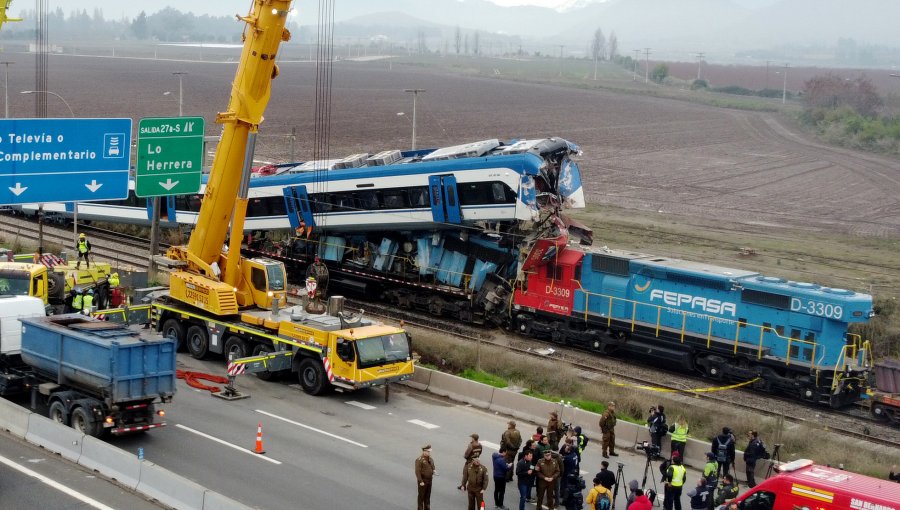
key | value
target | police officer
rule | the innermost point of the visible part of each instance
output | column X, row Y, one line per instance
column 555, row 430
column 674, row 481
column 547, row 473
column 424, row 474
column 475, row 482
column 512, row 441
column 83, row 248
column 727, row 491
column 88, row 302
column 472, row 451
column 608, row 427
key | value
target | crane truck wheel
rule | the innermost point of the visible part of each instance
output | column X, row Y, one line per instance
column 237, row 346
column 172, row 328
column 58, row 413
column 312, row 376
column 82, row 422
column 259, row 350
column 197, row 340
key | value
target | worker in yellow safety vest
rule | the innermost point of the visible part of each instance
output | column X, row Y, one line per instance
column 77, row 301
column 83, row 247
column 114, row 280
column 679, row 431
column 674, row 480
column 88, row 302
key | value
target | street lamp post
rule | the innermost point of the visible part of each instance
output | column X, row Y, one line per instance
column 72, row 113
column 180, row 75
column 415, row 93
column 784, row 85
column 6, row 89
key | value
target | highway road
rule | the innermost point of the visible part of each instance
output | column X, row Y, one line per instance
column 338, row 451
column 31, row 477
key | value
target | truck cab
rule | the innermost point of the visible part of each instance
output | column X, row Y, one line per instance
column 54, row 286
column 802, row 484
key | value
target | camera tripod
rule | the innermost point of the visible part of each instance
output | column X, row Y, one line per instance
column 620, row 476
column 648, row 468
column 776, row 459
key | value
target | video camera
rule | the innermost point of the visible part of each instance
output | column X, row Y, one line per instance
column 650, row 450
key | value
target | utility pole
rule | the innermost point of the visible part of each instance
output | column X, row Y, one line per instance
column 767, row 73
column 646, row 65
column 637, row 56
column 699, row 62
column 6, row 89
column 415, row 93
column 784, row 86
column 561, row 48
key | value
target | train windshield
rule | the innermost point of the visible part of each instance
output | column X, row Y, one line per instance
column 15, row 283
column 275, row 274
column 381, row 350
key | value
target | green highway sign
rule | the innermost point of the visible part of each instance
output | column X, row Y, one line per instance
column 170, row 156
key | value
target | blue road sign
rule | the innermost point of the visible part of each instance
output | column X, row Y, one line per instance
column 64, row 160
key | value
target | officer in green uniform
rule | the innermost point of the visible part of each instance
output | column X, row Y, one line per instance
column 424, row 475
column 475, row 483
column 548, row 472
column 608, row 427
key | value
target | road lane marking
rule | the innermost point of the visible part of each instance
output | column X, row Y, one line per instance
column 360, row 405
column 56, row 485
column 226, row 443
column 307, row 427
column 424, row 424
column 492, row 446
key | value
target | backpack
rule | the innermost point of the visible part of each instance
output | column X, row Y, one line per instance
column 604, row 502
column 763, row 452
column 722, row 451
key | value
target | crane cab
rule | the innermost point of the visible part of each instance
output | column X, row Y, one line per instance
column 265, row 283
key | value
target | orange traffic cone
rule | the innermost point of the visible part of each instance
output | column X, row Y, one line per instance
column 482, row 505
column 259, row 448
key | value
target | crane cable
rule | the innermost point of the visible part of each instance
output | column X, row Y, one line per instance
column 324, row 72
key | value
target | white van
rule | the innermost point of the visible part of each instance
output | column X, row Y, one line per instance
column 12, row 308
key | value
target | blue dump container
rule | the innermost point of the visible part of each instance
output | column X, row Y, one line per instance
column 108, row 360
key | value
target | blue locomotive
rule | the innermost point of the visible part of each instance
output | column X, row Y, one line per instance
column 729, row 324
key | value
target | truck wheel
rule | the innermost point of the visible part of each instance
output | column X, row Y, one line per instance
column 258, row 350
column 237, row 345
column 172, row 328
column 83, row 423
column 197, row 340
column 58, row 414
column 56, row 285
column 312, row 376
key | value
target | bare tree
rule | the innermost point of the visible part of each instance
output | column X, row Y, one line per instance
column 598, row 48
column 612, row 45
column 832, row 91
column 458, row 39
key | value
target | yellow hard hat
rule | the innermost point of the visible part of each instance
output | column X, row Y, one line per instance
column 81, row 234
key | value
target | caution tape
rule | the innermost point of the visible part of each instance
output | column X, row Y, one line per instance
column 687, row 390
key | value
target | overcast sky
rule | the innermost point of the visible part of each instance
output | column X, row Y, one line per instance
column 117, row 8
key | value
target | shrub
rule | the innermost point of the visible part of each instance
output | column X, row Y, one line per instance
column 699, row 84
column 734, row 89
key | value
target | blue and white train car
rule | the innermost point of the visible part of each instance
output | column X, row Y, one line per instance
column 486, row 183
column 729, row 324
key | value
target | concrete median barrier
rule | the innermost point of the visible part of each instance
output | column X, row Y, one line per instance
column 170, row 489
column 55, row 437
column 457, row 388
column 521, row 406
column 14, row 418
column 110, row 462
column 212, row 500
column 420, row 379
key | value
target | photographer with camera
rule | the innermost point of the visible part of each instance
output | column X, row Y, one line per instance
column 573, row 484
column 658, row 426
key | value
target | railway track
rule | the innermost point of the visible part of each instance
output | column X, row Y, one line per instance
column 602, row 368
column 135, row 251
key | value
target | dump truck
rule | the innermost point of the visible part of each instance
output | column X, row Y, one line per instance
column 56, row 285
column 99, row 377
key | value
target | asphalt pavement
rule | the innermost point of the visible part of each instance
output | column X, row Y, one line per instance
column 337, row 451
column 31, row 477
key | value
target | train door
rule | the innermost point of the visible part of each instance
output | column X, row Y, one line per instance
column 444, row 199
column 296, row 201
column 166, row 209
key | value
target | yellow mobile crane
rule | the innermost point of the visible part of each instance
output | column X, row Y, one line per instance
column 221, row 302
